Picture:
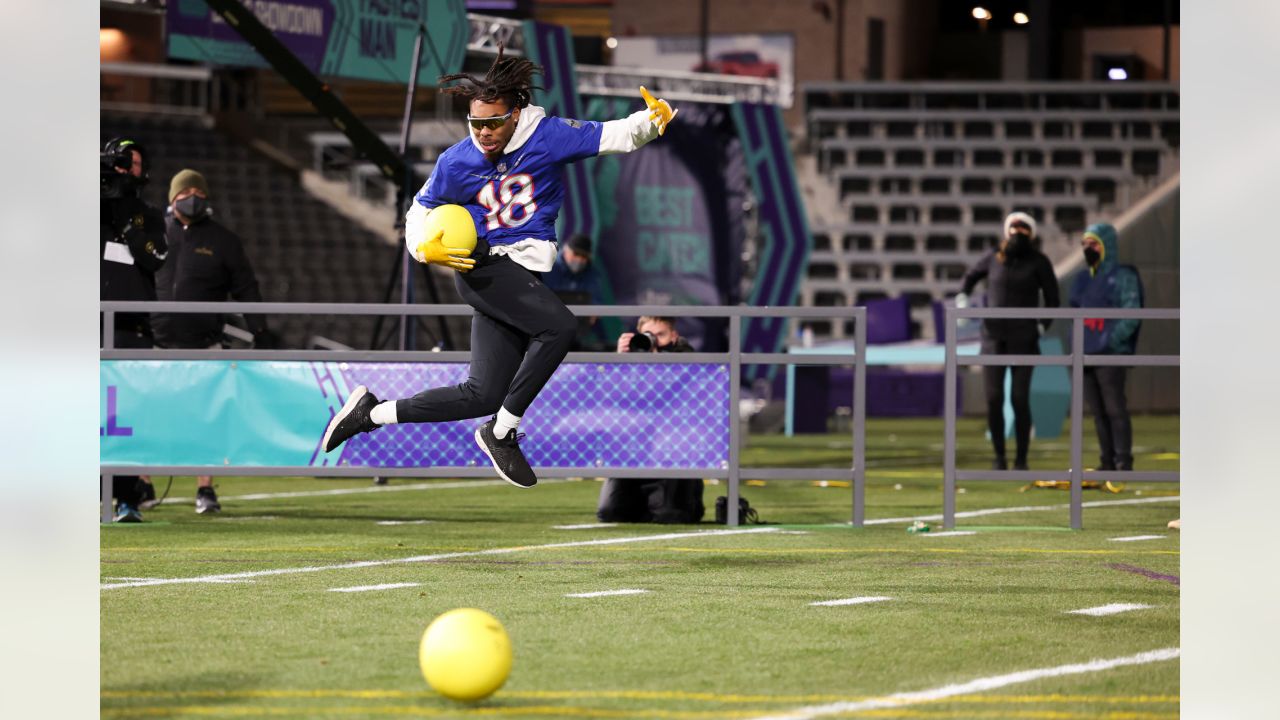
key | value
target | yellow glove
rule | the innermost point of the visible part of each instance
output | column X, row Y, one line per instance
column 434, row 252
column 660, row 111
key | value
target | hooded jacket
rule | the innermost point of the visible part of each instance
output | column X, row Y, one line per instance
column 1109, row 285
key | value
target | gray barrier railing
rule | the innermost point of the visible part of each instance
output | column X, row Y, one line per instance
column 735, row 358
column 1076, row 360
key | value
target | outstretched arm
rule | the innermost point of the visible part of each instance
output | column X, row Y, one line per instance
column 634, row 131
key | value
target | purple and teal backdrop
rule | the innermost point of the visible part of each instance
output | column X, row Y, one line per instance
column 784, row 228
column 274, row 414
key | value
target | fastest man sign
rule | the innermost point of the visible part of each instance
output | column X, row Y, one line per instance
column 365, row 39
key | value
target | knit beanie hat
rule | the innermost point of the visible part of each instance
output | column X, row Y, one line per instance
column 187, row 178
column 1020, row 217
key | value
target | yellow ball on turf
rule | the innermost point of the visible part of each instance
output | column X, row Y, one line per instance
column 465, row 654
column 458, row 225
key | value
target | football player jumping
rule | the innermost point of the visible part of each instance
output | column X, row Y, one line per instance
column 509, row 173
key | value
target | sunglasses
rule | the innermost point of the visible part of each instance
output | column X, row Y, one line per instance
column 493, row 123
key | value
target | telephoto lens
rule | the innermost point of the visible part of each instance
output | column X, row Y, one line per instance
column 642, row 342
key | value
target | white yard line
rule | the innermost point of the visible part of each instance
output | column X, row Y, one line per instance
column 979, row 685
column 948, row 533
column 403, row 522
column 1112, row 609
column 1136, row 538
column 588, row 526
column 852, row 601
column 232, row 577
column 366, row 588
column 1022, row 508
column 605, row 593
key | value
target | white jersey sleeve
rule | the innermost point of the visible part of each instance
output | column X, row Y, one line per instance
column 415, row 222
column 627, row 134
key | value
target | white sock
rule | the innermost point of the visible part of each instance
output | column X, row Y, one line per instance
column 505, row 423
column 384, row 413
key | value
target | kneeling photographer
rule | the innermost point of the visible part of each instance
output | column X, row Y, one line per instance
column 640, row 500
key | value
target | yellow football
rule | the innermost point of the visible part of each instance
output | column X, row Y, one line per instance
column 458, row 225
column 465, row 654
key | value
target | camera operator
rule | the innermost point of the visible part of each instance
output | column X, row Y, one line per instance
column 676, row 500
column 132, row 248
column 653, row 334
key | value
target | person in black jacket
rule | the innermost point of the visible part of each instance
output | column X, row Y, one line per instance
column 670, row 500
column 131, row 249
column 207, row 263
column 1017, row 275
column 131, row 239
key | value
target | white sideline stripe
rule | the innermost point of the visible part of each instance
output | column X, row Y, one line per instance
column 1112, row 609
column 402, row 522
column 1135, row 538
column 368, row 489
column 973, row 686
column 231, row 577
column 605, row 593
column 364, row 588
column 948, row 533
column 588, row 526
column 1023, row 508
column 853, row 600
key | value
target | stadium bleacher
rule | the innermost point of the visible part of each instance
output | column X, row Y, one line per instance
column 923, row 175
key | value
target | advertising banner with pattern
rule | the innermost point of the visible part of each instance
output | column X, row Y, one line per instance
column 262, row 413
column 368, row 39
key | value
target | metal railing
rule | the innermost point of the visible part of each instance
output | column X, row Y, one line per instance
column 733, row 473
column 1076, row 359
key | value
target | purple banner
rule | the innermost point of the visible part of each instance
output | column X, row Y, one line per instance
column 589, row 415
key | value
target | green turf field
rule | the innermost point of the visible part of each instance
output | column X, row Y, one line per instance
column 724, row 629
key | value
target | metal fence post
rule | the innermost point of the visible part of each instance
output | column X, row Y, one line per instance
column 735, row 431
column 107, row 490
column 1077, row 422
column 949, row 425
column 859, row 416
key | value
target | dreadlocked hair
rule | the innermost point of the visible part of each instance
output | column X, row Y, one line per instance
column 508, row 79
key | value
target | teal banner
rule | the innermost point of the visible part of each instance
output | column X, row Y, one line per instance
column 365, row 39
column 264, row 413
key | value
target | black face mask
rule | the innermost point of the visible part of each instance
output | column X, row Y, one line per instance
column 1018, row 245
column 1092, row 256
column 193, row 207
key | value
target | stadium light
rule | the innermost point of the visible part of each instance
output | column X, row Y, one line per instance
column 1117, row 73
column 981, row 13
column 611, row 43
column 1021, row 18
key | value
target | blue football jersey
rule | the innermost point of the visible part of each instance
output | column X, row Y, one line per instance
column 520, row 195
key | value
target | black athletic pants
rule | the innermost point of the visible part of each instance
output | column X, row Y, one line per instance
column 1104, row 392
column 993, row 381
column 519, row 335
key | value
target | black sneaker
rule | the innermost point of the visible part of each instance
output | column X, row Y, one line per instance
column 999, row 463
column 1020, row 465
column 505, row 455
column 207, row 501
column 353, row 418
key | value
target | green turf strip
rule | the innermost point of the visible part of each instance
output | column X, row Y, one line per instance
column 726, row 628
